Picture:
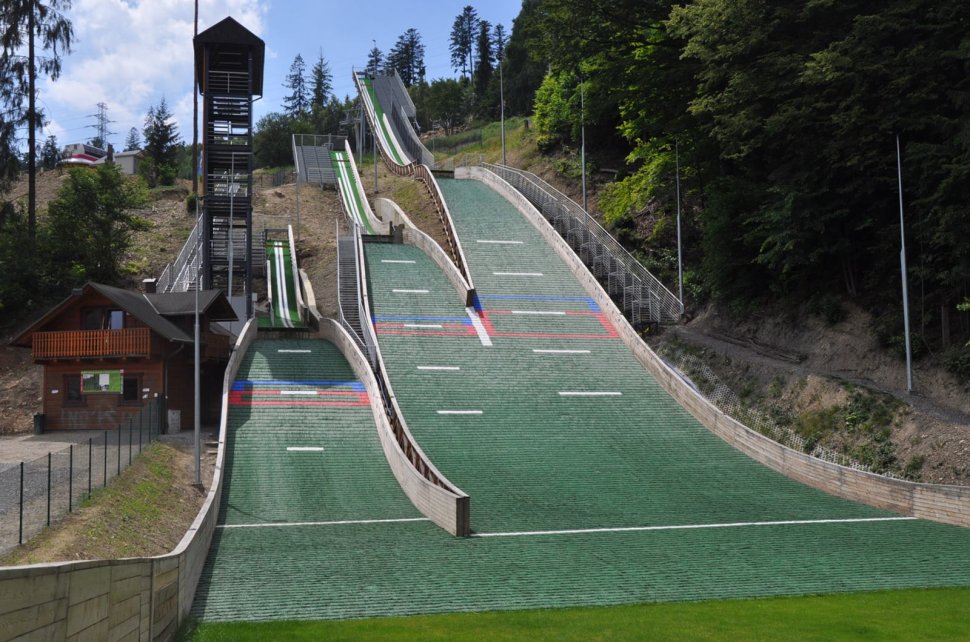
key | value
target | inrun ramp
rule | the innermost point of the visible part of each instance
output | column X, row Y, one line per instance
column 283, row 285
column 379, row 120
column 351, row 191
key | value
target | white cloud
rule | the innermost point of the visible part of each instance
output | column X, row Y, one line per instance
column 131, row 54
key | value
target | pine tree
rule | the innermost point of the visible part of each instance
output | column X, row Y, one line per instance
column 321, row 83
column 162, row 141
column 483, row 72
column 462, row 38
column 297, row 104
column 133, row 142
column 22, row 22
column 499, row 42
column 375, row 62
column 407, row 57
column 51, row 153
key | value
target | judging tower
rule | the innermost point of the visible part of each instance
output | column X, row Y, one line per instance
column 229, row 72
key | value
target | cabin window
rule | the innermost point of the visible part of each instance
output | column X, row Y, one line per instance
column 102, row 319
column 72, row 388
column 129, row 389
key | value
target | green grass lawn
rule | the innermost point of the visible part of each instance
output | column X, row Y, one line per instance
column 935, row 614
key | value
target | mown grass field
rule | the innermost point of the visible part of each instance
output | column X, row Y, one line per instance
column 937, row 614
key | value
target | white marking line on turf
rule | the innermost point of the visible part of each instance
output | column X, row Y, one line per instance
column 479, row 327
column 450, row 368
column 410, row 291
column 686, row 527
column 340, row 523
column 295, row 351
column 304, row 449
column 550, row 351
column 589, row 393
column 437, row 326
column 397, row 261
column 554, row 313
column 517, row 274
column 459, row 412
column 298, row 392
column 495, row 242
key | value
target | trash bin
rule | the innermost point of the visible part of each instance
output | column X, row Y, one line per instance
column 39, row 423
column 174, row 422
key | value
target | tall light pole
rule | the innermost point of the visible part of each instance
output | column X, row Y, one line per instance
column 582, row 127
column 373, row 134
column 680, row 261
column 195, row 113
column 501, row 100
column 902, row 268
column 198, row 376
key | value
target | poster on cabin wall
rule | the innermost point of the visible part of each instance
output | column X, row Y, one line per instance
column 101, row 381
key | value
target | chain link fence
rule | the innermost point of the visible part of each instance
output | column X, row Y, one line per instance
column 35, row 494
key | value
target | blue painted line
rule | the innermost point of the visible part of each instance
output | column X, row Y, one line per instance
column 244, row 384
column 462, row 320
column 531, row 297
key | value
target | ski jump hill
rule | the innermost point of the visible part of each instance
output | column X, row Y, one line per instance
column 482, row 428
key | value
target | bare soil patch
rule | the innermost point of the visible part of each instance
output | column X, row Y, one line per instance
column 929, row 430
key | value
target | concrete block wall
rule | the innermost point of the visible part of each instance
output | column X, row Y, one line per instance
column 446, row 507
column 946, row 504
column 142, row 599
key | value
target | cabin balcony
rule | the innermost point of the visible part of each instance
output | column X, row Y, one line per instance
column 92, row 344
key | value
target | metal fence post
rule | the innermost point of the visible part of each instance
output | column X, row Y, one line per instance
column 90, row 449
column 119, row 449
column 141, row 424
column 21, row 536
column 70, row 479
column 105, row 479
column 129, row 441
column 48, row 489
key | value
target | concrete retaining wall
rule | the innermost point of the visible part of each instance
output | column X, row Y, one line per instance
column 126, row 599
column 448, row 508
column 947, row 504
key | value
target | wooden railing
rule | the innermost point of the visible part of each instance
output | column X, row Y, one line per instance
column 71, row 344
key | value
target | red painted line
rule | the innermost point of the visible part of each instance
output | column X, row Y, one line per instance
column 435, row 333
column 301, row 404
column 290, row 393
column 444, row 326
column 487, row 323
column 605, row 322
column 543, row 335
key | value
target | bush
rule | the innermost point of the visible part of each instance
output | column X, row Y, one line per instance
column 828, row 307
column 190, row 202
column 957, row 361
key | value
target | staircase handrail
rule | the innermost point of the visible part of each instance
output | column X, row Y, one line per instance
column 175, row 275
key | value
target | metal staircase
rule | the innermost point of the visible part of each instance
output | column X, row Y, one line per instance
column 348, row 287
column 311, row 153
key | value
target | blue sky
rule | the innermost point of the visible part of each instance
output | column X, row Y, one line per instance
column 129, row 54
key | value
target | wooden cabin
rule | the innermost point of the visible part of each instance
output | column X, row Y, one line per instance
column 106, row 351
